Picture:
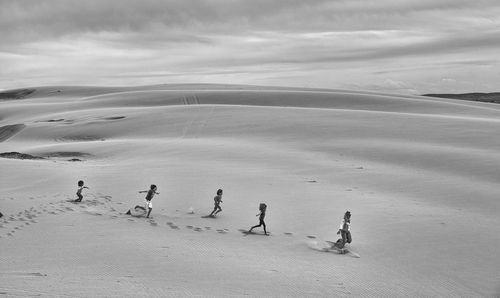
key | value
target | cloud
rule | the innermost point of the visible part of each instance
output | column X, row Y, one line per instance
column 283, row 41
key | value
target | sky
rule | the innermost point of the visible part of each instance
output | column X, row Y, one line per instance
column 393, row 46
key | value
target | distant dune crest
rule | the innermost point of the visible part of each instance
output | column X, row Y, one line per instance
column 16, row 94
column 481, row 97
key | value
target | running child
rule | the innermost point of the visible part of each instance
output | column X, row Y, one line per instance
column 217, row 201
column 261, row 215
column 151, row 192
column 345, row 229
column 79, row 191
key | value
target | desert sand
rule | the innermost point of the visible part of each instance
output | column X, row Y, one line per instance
column 420, row 176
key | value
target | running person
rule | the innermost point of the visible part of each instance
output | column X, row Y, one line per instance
column 217, row 201
column 151, row 192
column 345, row 229
column 79, row 191
column 261, row 216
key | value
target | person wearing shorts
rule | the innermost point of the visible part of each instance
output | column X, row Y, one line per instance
column 151, row 192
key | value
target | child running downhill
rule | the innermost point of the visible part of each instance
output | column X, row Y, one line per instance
column 79, row 191
column 217, row 201
column 151, row 192
column 345, row 229
column 261, row 216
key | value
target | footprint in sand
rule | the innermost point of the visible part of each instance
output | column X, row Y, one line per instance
column 198, row 229
column 189, row 227
column 288, row 234
column 221, row 231
column 172, row 226
column 311, row 237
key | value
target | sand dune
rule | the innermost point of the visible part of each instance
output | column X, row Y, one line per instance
column 420, row 176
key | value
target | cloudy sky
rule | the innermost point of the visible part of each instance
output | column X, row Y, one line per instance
column 396, row 46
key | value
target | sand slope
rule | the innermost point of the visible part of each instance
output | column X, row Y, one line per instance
column 420, row 176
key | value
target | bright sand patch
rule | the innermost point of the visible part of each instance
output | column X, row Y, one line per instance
column 420, row 176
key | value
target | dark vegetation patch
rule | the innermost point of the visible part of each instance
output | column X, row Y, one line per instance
column 75, row 159
column 65, row 121
column 8, row 131
column 15, row 94
column 115, row 118
column 17, row 155
column 481, row 97
column 79, row 139
column 67, row 154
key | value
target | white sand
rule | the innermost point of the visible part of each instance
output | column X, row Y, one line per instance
column 420, row 176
